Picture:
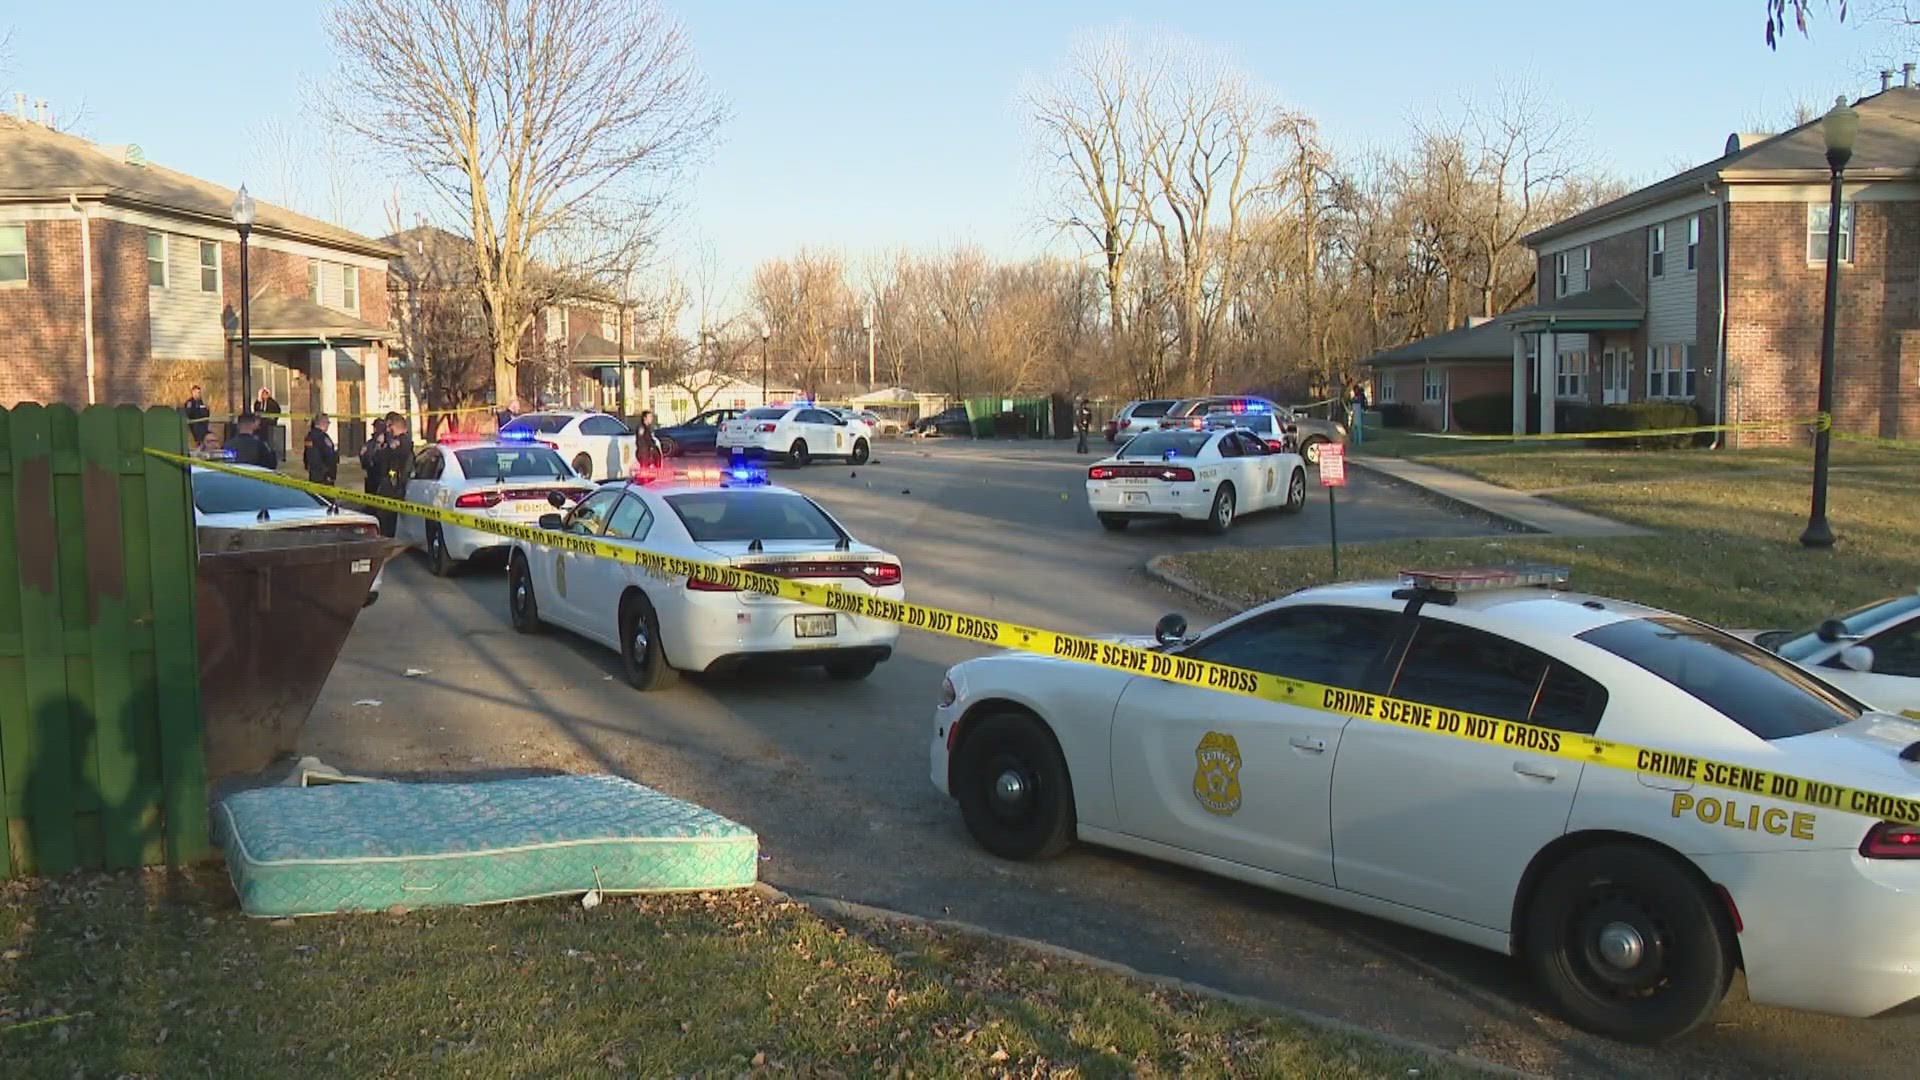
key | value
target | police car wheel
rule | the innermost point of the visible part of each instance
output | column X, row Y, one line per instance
column 860, row 451
column 1296, row 491
column 438, row 560
column 797, row 453
column 1629, row 943
column 1311, row 450
column 1112, row 522
column 1220, row 518
column 852, row 670
column 522, row 607
column 640, row 651
column 1013, row 789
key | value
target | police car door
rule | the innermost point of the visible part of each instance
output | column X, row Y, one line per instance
column 597, row 584
column 1237, row 777
column 566, row 579
column 424, row 488
column 826, row 433
column 1264, row 486
column 1443, row 824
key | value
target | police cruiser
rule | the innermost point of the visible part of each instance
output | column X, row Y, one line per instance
column 663, row 624
column 1211, row 476
column 510, row 478
column 797, row 433
column 1632, row 896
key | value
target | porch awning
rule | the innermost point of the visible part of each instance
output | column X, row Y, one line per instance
column 286, row 320
column 1609, row 307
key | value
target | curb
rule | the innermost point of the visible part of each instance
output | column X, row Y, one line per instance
column 1511, row 522
column 849, row 909
column 1157, row 570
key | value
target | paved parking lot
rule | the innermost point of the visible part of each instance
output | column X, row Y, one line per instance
column 833, row 776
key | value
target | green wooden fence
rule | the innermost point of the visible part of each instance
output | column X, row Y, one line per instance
column 101, row 763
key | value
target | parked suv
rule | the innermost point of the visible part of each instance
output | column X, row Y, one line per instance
column 1136, row 417
column 1312, row 432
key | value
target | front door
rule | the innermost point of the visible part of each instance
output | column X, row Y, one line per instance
column 1613, row 376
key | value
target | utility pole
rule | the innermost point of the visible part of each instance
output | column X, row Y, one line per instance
column 866, row 323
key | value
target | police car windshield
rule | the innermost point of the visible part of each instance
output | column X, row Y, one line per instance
column 512, row 462
column 718, row 516
column 1745, row 683
column 545, row 423
column 766, row 414
column 1159, row 444
column 1858, row 622
column 225, row 493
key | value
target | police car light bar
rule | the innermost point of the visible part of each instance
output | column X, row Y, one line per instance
column 1484, row 578
column 517, row 435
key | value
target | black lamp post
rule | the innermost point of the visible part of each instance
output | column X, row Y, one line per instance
column 766, row 335
column 1840, row 126
column 243, row 220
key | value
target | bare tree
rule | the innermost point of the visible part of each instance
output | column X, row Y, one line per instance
column 546, row 125
column 310, row 170
column 803, row 300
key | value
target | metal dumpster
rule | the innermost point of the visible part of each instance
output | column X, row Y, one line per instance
column 259, row 678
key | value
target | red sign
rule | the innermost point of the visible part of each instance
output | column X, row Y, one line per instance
column 1333, row 465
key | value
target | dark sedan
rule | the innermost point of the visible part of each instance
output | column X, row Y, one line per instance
column 696, row 436
column 952, row 423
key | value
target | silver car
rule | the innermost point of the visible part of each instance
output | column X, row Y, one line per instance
column 1311, row 432
column 1137, row 417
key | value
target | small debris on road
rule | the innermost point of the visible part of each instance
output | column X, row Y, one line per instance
column 414, row 672
column 374, row 702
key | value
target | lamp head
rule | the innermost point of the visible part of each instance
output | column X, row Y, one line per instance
column 1840, row 127
column 243, row 209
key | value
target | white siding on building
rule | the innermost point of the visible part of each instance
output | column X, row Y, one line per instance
column 1673, row 297
column 184, row 321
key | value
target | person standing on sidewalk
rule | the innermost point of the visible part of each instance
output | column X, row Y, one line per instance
column 321, row 457
column 1083, row 424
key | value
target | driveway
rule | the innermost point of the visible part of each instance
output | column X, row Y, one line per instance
column 833, row 776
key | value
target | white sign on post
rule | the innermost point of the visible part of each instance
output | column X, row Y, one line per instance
column 1333, row 465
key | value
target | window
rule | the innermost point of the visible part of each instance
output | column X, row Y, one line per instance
column 1687, row 357
column 603, row 425
column 1858, row 621
column 1817, row 214
column 1570, row 375
column 350, row 288
column 1166, row 444
column 313, row 280
column 1433, row 386
column 1586, row 258
column 157, row 260
column 13, row 253
column 1334, row 646
column 721, row 516
column 1229, row 446
column 1745, row 683
column 1670, row 371
column 225, row 493
column 1457, row 667
column 1895, row 651
column 1657, row 245
column 586, row 518
column 209, row 266
column 542, row 423
column 513, row 463
column 1560, row 274
column 630, row 520
column 428, row 464
column 1693, row 242
column 1389, row 389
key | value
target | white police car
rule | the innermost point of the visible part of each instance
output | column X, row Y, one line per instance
column 1209, row 475
column 598, row 446
column 1632, row 896
column 1872, row 652
column 506, row 479
column 797, row 433
column 662, row 625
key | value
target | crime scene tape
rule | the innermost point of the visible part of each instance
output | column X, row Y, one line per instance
column 1875, row 440
column 230, row 417
column 1357, row 704
column 1697, row 429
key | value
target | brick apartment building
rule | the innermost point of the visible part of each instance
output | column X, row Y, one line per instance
column 120, row 283
column 1708, row 287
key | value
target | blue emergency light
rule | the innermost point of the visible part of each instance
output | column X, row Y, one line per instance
column 743, row 476
column 516, row 435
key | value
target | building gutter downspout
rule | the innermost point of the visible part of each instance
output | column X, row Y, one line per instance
column 1721, row 363
column 86, row 287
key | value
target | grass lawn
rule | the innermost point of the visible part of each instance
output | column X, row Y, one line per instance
column 159, row 975
column 1729, row 522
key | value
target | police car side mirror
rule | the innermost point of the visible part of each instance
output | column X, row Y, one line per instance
column 552, row 522
column 1170, row 630
column 556, row 500
column 1857, row 658
column 1832, row 630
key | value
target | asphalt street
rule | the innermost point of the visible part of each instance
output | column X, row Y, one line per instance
column 834, row 778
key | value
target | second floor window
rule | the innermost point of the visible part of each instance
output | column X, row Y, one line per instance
column 1657, row 245
column 1817, row 216
column 350, row 288
column 13, row 253
column 157, row 260
column 1693, row 242
column 313, row 280
column 1560, row 274
column 209, row 266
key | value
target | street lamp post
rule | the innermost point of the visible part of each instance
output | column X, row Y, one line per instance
column 1839, row 127
column 243, row 220
column 866, row 323
column 766, row 335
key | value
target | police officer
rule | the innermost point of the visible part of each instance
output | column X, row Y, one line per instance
column 1085, row 417
column 197, row 412
column 369, row 455
column 322, row 458
column 395, row 465
column 249, row 448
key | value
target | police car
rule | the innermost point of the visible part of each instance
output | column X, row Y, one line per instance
column 506, row 479
column 1872, row 652
column 598, row 446
column 663, row 625
column 797, row 433
column 1211, row 475
column 1631, row 896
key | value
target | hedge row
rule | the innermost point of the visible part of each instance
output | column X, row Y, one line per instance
column 1492, row 414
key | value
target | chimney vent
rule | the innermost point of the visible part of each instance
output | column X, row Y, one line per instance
column 1886, row 79
column 1906, row 73
column 40, row 111
column 20, row 103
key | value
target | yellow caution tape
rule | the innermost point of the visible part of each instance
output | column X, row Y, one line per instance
column 1697, row 429
column 1487, row 730
column 229, row 417
column 1875, row 440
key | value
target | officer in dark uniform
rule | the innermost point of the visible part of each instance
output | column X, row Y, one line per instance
column 249, row 448
column 197, row 414
column 1085, row 424
column 369, row 455
column 322, row 458
column 395, row 464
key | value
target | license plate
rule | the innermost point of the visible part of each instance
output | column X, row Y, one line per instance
column 1136, row 496
column 814, row 625
column 1133, row 479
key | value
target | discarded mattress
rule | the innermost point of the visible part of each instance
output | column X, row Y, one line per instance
column 368, row 847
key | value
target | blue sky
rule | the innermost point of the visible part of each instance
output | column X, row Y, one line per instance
column 867, row 126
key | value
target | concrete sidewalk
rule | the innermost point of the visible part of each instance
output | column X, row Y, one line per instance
column 1519, row 507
